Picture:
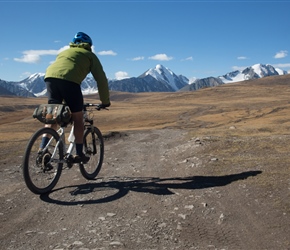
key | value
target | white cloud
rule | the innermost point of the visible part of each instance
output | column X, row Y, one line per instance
column 190, row 58
column 34, row 56
column 121, row 75
column 29, row 57
column 139, row 58
column 161, row 57
column 242, row 58
column 107, row 53
column 281, row 54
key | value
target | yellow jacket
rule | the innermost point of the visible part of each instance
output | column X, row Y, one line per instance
column 75, row 63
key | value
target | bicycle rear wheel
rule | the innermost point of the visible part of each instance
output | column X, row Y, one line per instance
column 93, row 147
column 42, row 168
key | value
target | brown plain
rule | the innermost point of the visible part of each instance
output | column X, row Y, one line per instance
column 238, row 131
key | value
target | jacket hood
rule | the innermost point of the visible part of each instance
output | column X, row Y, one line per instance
column 86, row 46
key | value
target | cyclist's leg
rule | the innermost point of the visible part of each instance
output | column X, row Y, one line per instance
column 54, row 91
column 73, row 97
column 79, row 134
column 78, row 127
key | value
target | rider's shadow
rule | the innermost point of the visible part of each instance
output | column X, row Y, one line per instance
column 153, row 185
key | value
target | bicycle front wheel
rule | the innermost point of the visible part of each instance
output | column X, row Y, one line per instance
column 94, row 148
column 42, row 168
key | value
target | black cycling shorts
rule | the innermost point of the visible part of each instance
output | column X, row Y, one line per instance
column 59, row 90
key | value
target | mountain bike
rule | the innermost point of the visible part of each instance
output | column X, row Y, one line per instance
column 42, row 167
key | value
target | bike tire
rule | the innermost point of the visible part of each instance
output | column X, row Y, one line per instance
column 40, row 173
column 92, row 168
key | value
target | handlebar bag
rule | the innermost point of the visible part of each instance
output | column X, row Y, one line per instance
column 52, row 114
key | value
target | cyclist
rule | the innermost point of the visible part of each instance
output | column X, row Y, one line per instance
column 63, row 82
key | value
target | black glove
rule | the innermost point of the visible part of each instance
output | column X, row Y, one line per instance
column 103, row 106
column 106, row 105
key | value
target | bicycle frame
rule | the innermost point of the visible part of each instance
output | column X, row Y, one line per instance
column 61, row 140
column 68, row 150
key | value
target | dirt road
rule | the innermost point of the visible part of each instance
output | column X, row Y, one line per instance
column 158, row 189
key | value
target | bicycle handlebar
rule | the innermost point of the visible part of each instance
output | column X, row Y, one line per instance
column 98, row 106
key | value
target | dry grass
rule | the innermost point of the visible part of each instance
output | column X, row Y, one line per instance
column 251, row 108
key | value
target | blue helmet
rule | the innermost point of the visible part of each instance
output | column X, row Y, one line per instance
column 81, row 37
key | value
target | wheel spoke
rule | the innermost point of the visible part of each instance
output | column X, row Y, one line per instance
column 93, row 147
column 41, row 172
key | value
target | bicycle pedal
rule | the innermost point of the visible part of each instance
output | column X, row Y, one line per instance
column 69, row 165
column 81, row 159
column 69, row 160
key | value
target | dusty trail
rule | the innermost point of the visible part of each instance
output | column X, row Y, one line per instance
column 157, row 190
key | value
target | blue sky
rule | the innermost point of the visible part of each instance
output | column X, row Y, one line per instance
column 192, row 38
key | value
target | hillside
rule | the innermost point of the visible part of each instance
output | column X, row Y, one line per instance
column 207, row 169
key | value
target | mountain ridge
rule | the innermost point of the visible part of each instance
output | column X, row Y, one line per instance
column 157, row 79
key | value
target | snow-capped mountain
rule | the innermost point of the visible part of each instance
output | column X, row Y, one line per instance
column 253, row 72
column 89, row 86
column 34, row 84
column 158, row 79
column 163, row 74
column 13, row 88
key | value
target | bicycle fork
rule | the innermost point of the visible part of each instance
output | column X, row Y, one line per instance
column 87, row 149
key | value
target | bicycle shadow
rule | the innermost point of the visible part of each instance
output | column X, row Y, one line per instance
column 152, row 185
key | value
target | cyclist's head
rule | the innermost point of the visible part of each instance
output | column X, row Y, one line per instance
column 81, row 37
